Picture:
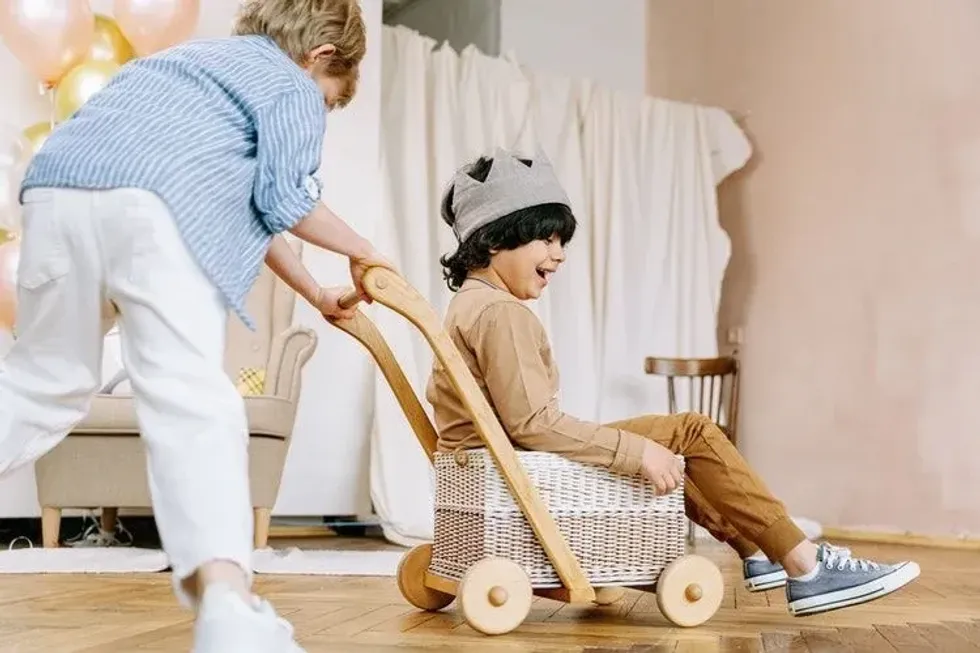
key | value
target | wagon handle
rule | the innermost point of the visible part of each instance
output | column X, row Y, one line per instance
column 389, row 289
column 349, row 299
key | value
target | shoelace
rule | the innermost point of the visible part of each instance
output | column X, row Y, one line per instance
column 842, row 551
column 94, row 536
column 840, row 557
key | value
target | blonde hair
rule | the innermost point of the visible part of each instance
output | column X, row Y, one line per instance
column 299, row 26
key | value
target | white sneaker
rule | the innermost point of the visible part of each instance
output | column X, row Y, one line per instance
column 226, row 623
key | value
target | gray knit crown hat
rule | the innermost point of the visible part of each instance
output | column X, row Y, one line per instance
column 510, row 186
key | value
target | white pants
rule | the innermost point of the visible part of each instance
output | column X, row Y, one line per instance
column 80, row 251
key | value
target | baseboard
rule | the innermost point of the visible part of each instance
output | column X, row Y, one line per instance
column 833, row 534
column 904, row 539
column 289, row 532
column 300, row 528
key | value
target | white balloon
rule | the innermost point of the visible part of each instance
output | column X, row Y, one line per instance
column 15, row 155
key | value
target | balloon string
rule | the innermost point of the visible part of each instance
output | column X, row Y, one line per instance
column 52, row 113
column 47, row 90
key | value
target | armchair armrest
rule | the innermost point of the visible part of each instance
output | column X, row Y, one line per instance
column 290, row 351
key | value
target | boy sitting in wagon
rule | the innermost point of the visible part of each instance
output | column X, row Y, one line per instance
column 512, row 219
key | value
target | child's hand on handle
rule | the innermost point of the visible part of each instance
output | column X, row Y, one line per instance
column 327, row 301
column 360, row 264
column 324, row 228
column 662, row 467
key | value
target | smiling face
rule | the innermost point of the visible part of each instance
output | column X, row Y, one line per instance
column 518, row 252
column 526, row 271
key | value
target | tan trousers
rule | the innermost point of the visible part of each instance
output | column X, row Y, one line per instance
column 722, row 493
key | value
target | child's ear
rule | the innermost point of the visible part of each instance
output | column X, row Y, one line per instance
column 321, row 52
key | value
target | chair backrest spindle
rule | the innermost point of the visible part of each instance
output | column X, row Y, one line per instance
column 712, row 387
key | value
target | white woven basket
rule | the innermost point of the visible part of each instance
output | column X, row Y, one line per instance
column 621, row 532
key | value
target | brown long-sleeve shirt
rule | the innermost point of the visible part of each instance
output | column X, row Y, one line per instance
column 507, row 350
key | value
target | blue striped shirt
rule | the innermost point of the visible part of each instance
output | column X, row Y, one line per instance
column 227, row 132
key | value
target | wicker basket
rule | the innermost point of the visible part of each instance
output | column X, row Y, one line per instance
column 620, row 531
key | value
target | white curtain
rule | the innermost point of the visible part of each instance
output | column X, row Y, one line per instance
column 644, row 270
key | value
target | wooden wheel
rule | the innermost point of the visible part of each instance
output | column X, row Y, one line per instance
column 411, row 580
column 495, row 596
column 689, row 591
column 608, row 595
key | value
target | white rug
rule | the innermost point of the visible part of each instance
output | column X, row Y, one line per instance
column 128, row 560
column 326, row 562
column 121, row 560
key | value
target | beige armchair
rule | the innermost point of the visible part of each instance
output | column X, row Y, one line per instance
column 102, row 463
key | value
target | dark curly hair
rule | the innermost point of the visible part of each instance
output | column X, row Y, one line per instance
column 541, row 222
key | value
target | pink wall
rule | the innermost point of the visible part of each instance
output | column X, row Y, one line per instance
column 856, row 236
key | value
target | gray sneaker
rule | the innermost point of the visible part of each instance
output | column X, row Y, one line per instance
column 843, row 581
column 762, row 575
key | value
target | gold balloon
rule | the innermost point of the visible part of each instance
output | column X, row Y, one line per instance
column 109, row 44
column 36, row 134
column 81, row 83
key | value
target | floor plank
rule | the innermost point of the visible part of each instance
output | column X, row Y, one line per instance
column 944, row 639
column 968, row 631
column 865, row 640
column 91, row 614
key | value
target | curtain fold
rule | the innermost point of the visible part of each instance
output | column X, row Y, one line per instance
column 644, row 271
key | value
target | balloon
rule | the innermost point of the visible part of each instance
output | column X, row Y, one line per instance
column 81, row 83
column 154, row 25
column 36, row 134
column 15, row 154
column 109, row 44
column 48, row 36
column 9, row 261
column 15, row 151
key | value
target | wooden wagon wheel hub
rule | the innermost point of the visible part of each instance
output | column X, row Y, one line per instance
column 497, row 596
column 693, row 592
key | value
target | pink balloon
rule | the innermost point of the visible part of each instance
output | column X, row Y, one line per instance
column 9, row 260
column 154, row 25
column 48, row 36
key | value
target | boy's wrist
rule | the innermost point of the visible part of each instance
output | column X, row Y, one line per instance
column 363, row 250
column 316, row 297
column 312, row 293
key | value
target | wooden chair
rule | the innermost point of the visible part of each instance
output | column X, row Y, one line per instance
column 494, row 593
column 716, row 403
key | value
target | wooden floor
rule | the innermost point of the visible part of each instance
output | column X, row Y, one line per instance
column 74, row 614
